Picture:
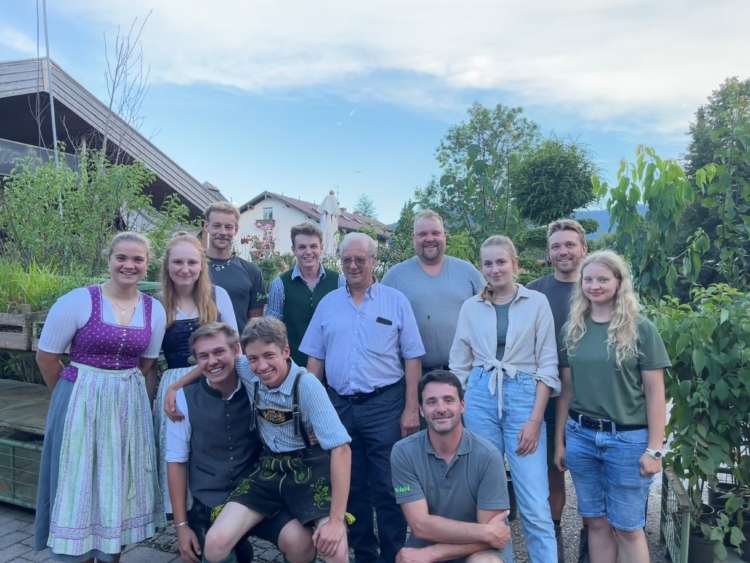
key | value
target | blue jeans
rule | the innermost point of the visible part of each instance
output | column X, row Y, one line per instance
column 529, row 472
column 606, row 472
column 374, row 426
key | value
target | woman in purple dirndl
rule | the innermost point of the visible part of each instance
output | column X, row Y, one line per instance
column 98, row 485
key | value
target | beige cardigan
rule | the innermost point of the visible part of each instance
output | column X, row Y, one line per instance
column 530, row 344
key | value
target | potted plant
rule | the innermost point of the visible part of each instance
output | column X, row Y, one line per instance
column 734, row 520
column 708, row 340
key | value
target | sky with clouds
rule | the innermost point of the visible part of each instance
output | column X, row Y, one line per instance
column 299, row 97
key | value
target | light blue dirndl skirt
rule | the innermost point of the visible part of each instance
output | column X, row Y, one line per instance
column 98, row 487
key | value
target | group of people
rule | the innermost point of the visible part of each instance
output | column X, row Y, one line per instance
column 303, row 426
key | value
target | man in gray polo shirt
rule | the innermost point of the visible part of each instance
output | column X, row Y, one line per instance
column 436, row 285
column 450, row 484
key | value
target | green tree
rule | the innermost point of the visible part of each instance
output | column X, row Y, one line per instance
column 171, row 216
column 648, row 240
column 460, row 245
column 727, row 107
column 589, row 225
column 400, row 246
column 365, row 206
column 553, row 180
column 720, row 145
column 475, row 194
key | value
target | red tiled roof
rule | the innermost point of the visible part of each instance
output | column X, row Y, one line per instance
column 347, row 221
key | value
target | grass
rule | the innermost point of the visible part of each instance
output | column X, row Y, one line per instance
column 37, row 286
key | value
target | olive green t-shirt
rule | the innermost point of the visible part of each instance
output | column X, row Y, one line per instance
column 603, row 390
column 502, row 328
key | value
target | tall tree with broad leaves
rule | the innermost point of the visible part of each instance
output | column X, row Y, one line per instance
column 475, row 193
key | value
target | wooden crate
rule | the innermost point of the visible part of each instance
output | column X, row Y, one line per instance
column 36, row 323
column 14, row 331
column 20, row 456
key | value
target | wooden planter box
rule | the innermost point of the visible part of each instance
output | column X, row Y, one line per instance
column 20, row 455
column 36, row 323
column 14, row 331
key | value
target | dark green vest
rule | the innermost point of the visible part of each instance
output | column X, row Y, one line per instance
column 299, row 306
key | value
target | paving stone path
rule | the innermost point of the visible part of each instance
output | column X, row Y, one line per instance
column 16, row 529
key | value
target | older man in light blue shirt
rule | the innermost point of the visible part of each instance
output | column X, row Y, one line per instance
column 359, row 336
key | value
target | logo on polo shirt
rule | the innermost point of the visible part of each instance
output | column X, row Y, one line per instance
column 402, row 489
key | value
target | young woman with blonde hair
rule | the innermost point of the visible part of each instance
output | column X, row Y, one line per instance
column 98, row 489
column 611, row 413
column 505, row 353
column 190, row 301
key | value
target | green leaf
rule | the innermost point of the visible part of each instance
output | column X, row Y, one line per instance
column 447, row 180
column 734, row 503
column 696, row 262
column 699, row 360
column 724, row 316
column 720, row 552
column 716, row 534
column 736, row 537
column 721, row 390
column 472, row 152
column 479, row 167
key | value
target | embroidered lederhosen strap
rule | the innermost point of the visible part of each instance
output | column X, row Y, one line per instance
column 276, row 416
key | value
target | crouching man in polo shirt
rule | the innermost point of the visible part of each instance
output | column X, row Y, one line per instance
column 447, row 483
column 305, row 465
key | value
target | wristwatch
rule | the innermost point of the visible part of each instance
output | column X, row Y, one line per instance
column 656, row 453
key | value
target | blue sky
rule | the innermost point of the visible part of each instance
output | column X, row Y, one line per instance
column 300, row 97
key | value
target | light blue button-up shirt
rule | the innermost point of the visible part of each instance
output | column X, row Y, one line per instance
column 318, row 414
column 362, row 345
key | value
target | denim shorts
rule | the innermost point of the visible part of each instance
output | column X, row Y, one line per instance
column 605, row 467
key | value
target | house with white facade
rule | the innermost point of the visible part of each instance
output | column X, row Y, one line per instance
column 268, row 219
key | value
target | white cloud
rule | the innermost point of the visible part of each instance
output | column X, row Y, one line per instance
column 602, row 59
column 16, row 40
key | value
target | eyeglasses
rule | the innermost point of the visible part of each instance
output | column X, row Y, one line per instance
column 359, row 261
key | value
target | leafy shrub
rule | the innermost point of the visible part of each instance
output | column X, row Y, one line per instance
column 708, row 340
column 65, row 217
column 536, row 238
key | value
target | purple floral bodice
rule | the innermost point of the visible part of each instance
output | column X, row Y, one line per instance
column 108, row 346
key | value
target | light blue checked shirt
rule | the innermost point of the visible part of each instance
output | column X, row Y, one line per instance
column 362, row 345
column 318, row 414
column 275, row 307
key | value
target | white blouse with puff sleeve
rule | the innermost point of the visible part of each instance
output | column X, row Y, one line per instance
column 72, row 311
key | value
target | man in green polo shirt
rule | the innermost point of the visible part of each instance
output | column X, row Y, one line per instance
column 450, row 483
column 293, row 296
